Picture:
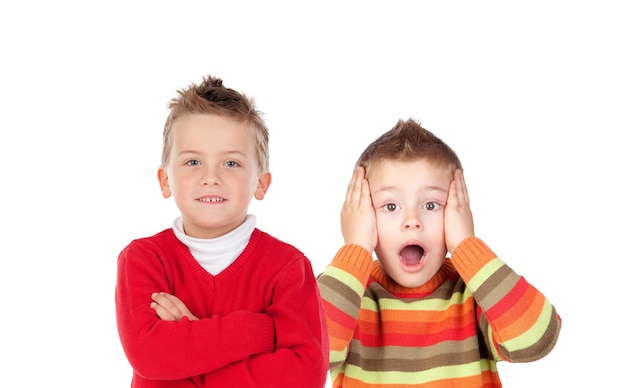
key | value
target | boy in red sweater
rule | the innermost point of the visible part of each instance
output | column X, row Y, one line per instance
column 416, row 317
column 214, row 301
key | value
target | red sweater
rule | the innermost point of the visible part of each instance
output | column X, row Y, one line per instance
column 261, row 322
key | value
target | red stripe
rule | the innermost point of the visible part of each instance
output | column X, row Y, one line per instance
column 416, row 339
column 338, row 316
column 509, row 299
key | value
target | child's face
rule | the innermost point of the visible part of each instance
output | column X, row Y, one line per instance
column 409, row 199
column 213, row 174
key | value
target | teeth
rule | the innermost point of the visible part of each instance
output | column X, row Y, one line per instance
column 211, row 199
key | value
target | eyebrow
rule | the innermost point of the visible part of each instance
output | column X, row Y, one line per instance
column 194, row 152
column 395, row 188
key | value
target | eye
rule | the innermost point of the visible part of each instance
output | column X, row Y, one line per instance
column 231, row 163
column 193, row 162
column 390, row 207
column 431, row 206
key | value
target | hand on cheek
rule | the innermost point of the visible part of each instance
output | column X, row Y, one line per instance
column 458, row 220
column 358, row 219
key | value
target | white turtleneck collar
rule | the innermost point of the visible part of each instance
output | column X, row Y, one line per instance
column 215, row 254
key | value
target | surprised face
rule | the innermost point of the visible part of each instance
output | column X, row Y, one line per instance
column 409, row 198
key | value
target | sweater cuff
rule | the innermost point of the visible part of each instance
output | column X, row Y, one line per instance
column 354, row 259
column 470, row 256
column 265, row 325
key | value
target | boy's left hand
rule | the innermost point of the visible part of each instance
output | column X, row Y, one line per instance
column 458, row 220
column 170, row 308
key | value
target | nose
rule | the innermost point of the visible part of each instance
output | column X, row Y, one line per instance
column 211, row 176
column 411, row 221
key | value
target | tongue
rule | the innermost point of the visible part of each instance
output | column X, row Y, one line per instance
column 411, row 255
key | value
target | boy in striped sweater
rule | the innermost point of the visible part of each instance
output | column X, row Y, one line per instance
column 416, row 316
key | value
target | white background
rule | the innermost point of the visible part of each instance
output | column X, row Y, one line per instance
column 531, row 95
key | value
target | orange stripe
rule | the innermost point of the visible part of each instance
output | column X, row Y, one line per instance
column 431, row 327
column 452, row 333
column 515, row 326
column 515, row 309
column 416, row 317
column 340, row 326
column 338, row 337
column 347, row 267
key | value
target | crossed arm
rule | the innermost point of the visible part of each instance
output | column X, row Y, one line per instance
column 278, row 346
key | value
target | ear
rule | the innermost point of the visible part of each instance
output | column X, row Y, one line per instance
column 164, row 182
column 262, row 185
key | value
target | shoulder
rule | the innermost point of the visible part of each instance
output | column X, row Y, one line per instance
column 159, row 238
column 278, row 254
column 273, row 244
column 288, row 265
column 158, row 244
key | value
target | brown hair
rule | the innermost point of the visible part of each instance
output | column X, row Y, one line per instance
column 212, row 97
column 408, row 141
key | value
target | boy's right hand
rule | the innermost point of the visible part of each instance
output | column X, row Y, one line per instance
column 170, row 308
column 458, row 219
column 358, row 218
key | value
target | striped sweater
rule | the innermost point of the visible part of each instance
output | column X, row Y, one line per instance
column 450, row 332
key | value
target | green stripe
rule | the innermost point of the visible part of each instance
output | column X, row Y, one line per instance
column 483, row 274
column 431, row 375
column 424, row 304
column 534, row 333
column 334, row 373
column 345, row 277
column 338, row 356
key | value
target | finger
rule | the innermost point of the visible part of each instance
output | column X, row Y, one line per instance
column 354, row 188
column 366, row 197
column 161, row 312
column 452, row 194
column 168, row 302
column 461, row 187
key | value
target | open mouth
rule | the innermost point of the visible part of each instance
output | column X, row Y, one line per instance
column 411, row 254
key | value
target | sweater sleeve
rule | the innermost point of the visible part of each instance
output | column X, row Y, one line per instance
column 170, row 350
column 520, row 322
column 301, row 355
column 342, row 287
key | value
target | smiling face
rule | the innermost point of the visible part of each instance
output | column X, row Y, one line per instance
column 409, row 198
column 212, row 173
